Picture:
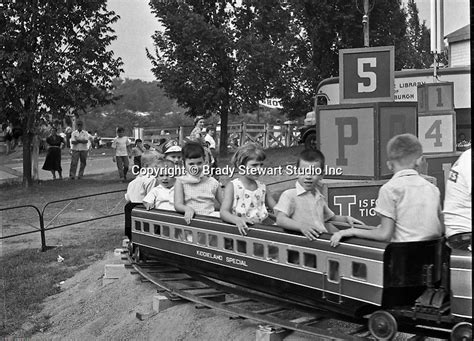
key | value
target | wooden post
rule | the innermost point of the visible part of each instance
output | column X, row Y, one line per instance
column 287, row 135
column 267, row 136
column 180, row 135
column 243, row 134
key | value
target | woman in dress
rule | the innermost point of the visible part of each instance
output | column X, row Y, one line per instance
column 53, row 157
column 197, row 133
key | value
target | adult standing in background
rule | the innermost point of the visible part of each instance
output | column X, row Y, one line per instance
column 79, row 140
column 458, row 203
column 53, row 157
column 197, row 133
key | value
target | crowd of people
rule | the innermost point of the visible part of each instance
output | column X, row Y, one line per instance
column 408, row 205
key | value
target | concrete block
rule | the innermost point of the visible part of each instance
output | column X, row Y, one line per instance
column 160, row 303
column 114, row 271
column 270, row 333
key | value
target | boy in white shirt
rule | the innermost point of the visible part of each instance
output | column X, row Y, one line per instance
column 122, row 146
column 137, row 189
column 162, row 196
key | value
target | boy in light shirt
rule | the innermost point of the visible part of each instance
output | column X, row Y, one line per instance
column 408, row 205
column 162, row 196
column 122, row 146
column 137, row 189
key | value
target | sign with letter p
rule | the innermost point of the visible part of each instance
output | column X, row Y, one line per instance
column 366, row 74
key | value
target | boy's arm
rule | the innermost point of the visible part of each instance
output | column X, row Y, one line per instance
column 149, row 201
column 309, row 231
column 346, row 219
column 384, row 233
column 179, row 205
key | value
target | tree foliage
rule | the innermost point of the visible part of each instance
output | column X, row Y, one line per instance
column 222, row 57
column 54, row 59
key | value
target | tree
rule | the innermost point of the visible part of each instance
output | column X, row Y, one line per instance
column 54, row 59
column 419, row 54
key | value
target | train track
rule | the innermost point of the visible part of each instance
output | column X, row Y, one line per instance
column 240, row 302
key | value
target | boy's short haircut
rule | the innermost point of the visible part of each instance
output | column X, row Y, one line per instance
column 165, row 163
column 210, row 128
column 120, row 130
column 311, row 155
column 404, row 148
column 193, row 150
column 246, row 152
column 137, row 141
column 148, row 159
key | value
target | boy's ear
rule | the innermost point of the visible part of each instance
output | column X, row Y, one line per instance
column 421, row 165
column 390, row 165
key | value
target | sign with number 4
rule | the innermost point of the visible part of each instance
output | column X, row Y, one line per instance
column 436, row 133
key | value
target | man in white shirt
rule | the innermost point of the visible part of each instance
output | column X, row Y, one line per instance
column 458, row 203
column 79, row 148
column 122, row 146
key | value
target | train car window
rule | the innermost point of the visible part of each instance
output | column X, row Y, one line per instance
column 201, row 238
column 293, row 257
column 258, row 250
column 178, row 233
column 309, row 260
column 138, row 225
column 359, row 270
column 213, row 240
column 166, row 230
column 146, row 227
column 241, row 246
column 188, row 236
column 273, row 253
column 156, row 229
column 333, row 271
column 229, row 244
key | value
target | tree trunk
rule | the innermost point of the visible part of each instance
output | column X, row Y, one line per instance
column 35, row 157
column 223, row 133
column 27, row 179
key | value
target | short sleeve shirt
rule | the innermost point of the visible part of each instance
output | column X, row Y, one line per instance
column 200, row 196
column 80, row 135
column 458, row 199
column 304, row 206
column 120, row 144
column 139, row 187
column 161, row 197
column 413, row 204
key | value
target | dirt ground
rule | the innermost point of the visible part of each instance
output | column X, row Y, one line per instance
column 87, row 309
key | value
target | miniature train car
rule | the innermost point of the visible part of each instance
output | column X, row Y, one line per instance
column 409, row 281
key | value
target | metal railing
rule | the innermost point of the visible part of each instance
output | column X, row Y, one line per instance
column 42, row 227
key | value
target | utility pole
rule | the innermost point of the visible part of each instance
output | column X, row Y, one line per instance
column 367, row 7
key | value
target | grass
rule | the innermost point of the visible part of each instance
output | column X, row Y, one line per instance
column 29, row 276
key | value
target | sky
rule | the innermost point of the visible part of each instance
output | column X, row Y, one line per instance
column 137, row 24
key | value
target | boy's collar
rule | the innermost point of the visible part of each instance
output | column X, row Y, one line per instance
column 405, row 172
column 300, row 190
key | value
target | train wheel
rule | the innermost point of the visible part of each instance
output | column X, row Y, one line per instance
column 462, row 331
column 137, row 255
column 383, row 325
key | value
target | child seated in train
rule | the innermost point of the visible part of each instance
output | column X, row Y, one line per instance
column 137, row 189
column 172, row 151
column 408, row 205
column 303, row 208
column 245, row 197
column 195, row 192
column 162, row 196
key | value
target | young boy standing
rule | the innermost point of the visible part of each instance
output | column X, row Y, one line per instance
column 408, row 205
column 304, row 208
column 122, row 144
